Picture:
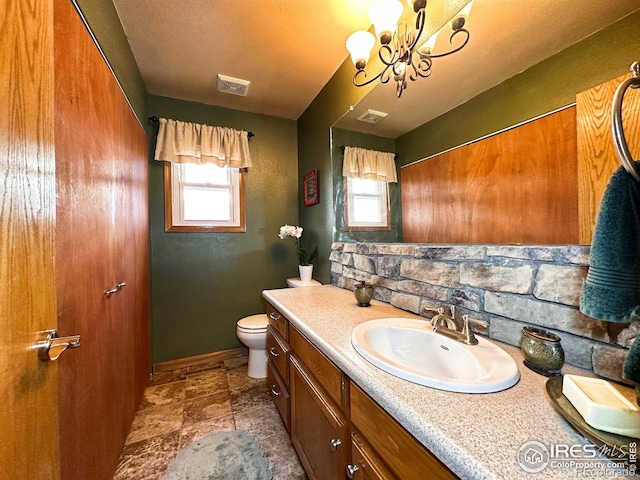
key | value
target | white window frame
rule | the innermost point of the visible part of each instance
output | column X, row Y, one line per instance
column 174, row 202
column 383, row 195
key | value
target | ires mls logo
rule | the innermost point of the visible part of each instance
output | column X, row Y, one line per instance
column 585, row 460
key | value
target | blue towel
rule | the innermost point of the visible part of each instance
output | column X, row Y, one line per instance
column 611, row 291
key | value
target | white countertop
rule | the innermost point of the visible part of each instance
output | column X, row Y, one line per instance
column 476, row 435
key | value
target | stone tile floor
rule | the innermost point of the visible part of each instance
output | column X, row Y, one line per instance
column 182, row 406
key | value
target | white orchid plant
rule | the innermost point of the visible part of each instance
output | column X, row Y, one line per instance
column 296, row 233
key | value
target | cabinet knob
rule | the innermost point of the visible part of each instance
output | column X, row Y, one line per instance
column 352, row 470
column 274, row 316
column 273, row 352
column 335, row 443
column 274, row 391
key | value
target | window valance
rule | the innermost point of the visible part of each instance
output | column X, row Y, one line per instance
column 185, row 142
column 369, row 164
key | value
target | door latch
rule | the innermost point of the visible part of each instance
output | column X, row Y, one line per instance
column 50, row 346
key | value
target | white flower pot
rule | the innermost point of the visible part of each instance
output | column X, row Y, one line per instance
column 306, row 272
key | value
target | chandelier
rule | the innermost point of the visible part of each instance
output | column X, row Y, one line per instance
column 404, row 53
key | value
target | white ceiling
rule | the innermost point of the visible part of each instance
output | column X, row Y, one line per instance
column 289, row 49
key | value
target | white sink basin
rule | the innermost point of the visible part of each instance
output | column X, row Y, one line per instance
column 410, row 349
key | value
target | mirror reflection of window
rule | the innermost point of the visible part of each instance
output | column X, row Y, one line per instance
column 366, row 205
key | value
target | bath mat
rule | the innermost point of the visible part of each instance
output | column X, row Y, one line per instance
column 220, row 456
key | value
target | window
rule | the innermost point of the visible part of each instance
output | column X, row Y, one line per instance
column 366, row 205
column 203, row 198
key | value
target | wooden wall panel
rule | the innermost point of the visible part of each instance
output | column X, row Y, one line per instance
column 519, row 186
column 102, row 239
column 597, row 158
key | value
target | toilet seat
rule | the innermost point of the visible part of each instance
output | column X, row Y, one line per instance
column 253, row 323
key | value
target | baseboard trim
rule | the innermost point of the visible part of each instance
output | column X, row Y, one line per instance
column 199, row 359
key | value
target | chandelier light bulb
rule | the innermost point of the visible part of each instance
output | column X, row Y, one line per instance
column 384, row 15
column 359, row 45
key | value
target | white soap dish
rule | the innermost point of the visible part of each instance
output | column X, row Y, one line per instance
column 601, row 405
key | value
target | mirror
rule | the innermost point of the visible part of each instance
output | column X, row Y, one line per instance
column 486, row 75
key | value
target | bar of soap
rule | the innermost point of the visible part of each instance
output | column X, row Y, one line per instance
column 601, row 405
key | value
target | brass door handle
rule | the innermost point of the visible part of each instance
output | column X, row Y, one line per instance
column 50, row 346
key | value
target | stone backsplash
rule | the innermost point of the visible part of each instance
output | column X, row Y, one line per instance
column 502, row 287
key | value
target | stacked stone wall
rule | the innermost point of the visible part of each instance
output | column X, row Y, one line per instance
column 502, row 287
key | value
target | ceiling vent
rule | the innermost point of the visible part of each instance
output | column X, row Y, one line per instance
column 234, row 86
column 372, row 116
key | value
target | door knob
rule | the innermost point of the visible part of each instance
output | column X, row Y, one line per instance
column 50, row 346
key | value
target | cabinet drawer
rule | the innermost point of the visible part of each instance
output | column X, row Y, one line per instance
column 279, row 393
column 278, row 353
column 392, row 442
column 278, row 321
column 327, row 374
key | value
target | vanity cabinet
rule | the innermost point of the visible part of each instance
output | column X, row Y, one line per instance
column 337, row 430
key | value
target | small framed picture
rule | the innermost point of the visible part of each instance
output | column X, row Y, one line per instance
column 310, row 188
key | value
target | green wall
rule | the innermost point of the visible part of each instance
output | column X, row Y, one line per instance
column 203, row 283
column 314, row 153
column 342, row 137
column 551, row 84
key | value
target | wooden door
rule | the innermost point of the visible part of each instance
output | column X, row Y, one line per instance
column 28, row 393
column 101, row 242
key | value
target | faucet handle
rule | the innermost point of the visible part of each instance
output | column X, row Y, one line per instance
column 428, row 307
column 470, row 338
column 452, row 310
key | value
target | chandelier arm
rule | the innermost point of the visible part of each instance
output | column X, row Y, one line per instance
column 371, row 80
column 457, row 49
column 394, row 55
column 423, row 67
column 420, row 22
column 385, row 75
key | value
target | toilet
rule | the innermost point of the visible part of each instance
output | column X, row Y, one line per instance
column 252, row 332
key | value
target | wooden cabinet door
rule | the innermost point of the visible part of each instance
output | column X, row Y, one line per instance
column 318, row 431
column 101, row 241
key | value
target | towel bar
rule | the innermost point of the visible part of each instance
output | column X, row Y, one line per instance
column 616, row 126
